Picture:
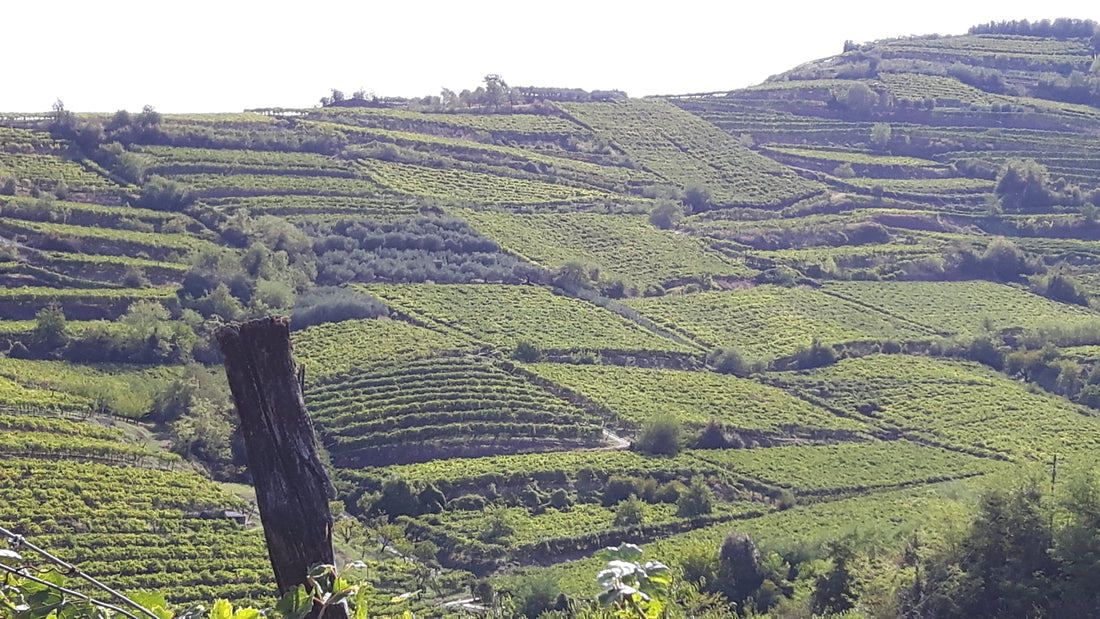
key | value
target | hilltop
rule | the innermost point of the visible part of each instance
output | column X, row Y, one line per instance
column 540, row 321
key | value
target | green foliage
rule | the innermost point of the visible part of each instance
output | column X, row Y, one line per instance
column 329, row 304
column 696, row 500
column 739, row 571
column 630, row 512
column 526, row 351
column 660, row 437
column 50, row 326
column 728, row 361
column 665, row 215
column 634, row 589
column 164, row 194
column 880, row 135
column 505, row 315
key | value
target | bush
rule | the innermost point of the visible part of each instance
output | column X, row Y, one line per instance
column 629, row 512
column 728, row 361
column 619, row 489
column 527, row 352
column 696, row 500
column 712, row 437
column 697, row 196
column 468, row 503
column 985, row 351
column 665, row 215
column 739, row 568
column 334, row 304
column 670, row 492
column 164, row 195
column 660, row 437
column 816, row 356
column 19, row 350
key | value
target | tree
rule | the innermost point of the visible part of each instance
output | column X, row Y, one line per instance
column 571, row 276
column 396, row 499
column 739, row 571
column 629, row 512
column 660, row 436
column 148, row 118
column 833, row 590
column 666, row 215
column 859, row 100
column 880, row 135
column 728, row 361
column 712, row 437
column 526, row 351
column 164, row 195
column 50, row 326
column 696, row 500
column 1022, row 185
column 697, row 197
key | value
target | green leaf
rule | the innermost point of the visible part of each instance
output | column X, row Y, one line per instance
column 154, row 603
column 295, row 604
column 222, row 610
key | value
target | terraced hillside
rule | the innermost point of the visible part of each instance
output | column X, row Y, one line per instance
column 853, row 296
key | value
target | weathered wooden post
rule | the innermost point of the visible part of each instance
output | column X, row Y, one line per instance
column 292, row 488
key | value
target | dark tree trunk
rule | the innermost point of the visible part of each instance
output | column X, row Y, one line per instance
column 292, row 488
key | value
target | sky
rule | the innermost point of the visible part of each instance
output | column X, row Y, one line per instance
column 231, row 55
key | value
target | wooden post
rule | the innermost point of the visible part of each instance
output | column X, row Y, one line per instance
column 292, row 488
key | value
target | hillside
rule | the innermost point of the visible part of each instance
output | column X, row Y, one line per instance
column 537, row 322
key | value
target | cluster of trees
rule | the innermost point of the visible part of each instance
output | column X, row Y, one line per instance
column 492, row 96
column 146, row 333
column 1061, row 28
column 1077, row 87
column 438, row 249
column 334, row 304
column 1024, row 554
column 1024, row 185
column 197, row 415
column 277, row 263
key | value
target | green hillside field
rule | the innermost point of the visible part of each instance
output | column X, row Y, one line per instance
column 843, row 325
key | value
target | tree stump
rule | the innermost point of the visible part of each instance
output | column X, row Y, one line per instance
column 292, row 488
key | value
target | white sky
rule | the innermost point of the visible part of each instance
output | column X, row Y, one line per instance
column 228, row 55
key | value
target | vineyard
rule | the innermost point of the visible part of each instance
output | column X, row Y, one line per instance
column 136, row 528
column 621, row 247
column 965, row 308
column 638, row 395
column 768, row 322
column 442, row 407
column 504, row 316
column 686, row 150
column 831, row 310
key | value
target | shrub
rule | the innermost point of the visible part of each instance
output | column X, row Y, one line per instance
column 19, row 350
column 670, row 492
column 334, row 304
column 629, row 512
column 164, row 194
column 816, row 356
column 712, row 437
column 527, row 352
column 619, row 489
column 728, row 361
column 660, row 437
column 468, row 503
column 696, row 500
column 665, row 215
